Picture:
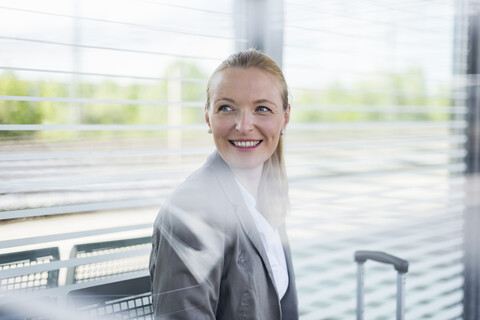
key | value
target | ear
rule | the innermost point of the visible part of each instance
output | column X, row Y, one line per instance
column 287, row 118
column 207, row 117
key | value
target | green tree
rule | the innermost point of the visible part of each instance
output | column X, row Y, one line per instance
column 17, row 112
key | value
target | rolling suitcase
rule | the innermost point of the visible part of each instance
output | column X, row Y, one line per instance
column 399, row 264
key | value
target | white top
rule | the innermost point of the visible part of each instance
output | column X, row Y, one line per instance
column 271, row 242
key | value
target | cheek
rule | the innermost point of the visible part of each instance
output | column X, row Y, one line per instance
column 220, row 126
column 273, row 128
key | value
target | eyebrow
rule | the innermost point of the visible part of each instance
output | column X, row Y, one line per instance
column 264, row 100
column 226, row 99
column 256, row 101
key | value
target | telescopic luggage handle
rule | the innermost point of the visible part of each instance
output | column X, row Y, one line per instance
column 399, row 264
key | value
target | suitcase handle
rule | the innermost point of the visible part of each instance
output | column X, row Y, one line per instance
column 399, row 264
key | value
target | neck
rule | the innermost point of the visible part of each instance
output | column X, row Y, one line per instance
column 249, row 178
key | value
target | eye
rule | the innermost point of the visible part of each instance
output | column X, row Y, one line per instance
column 224, row 108
column 263, row 109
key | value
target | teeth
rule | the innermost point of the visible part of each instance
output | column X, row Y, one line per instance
column 246, row 144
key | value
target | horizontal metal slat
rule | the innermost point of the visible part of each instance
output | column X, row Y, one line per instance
column 384, row 109
column 74, row 45
column 71, row 235
column 62, row 291
column 73, row 262
column 367, row 126
column 99, row 127
column 102, row 154
column 455, row 124
column 194, row 104
column 107, row 205
column 124, row 23
column 106, row 75
column 65, row 182
column 290, row 147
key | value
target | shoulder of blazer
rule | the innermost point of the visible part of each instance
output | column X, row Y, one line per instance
column 213, row 181
column 224, row 178
column 208, row 193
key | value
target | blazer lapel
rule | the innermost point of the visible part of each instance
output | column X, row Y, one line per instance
column 230, row 187
column 248, row 225
column 289, row 301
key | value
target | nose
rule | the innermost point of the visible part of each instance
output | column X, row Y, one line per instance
column 244, row 122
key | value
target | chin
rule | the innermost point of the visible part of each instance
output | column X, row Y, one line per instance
column 245, row 164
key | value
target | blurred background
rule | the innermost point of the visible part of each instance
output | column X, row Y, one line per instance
column 101, row 117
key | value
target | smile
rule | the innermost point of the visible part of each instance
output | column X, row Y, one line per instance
column 245, row 144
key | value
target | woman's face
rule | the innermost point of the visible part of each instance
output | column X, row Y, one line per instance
column 246, row 116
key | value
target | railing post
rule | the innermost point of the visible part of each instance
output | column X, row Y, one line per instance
column 471, row 308
column 401, row 296
column 473, row 91
column 360, row 285
column 259, row 24
column 174, row 89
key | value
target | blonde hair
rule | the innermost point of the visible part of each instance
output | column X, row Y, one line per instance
column 273, row 200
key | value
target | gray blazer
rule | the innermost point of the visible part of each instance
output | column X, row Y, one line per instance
column 207, row 259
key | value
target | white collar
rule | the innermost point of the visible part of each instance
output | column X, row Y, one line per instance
column 272, row 243
column 258, row 218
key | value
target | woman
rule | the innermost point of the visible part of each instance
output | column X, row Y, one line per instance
column 220, row 249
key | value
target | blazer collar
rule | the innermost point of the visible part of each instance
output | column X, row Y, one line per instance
column 227, row 181
column 224, row 176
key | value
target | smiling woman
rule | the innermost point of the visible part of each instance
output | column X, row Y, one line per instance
column 246, row 118
column 220, row 249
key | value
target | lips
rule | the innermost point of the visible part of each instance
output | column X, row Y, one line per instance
column 245, row 143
